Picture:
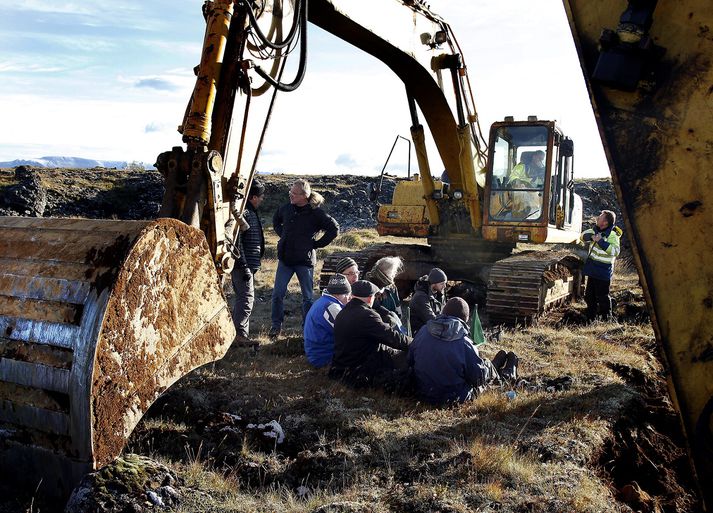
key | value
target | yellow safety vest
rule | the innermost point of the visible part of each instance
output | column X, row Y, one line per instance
column 519, row 173
column 605, row 256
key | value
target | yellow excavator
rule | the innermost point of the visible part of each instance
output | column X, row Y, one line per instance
column 97, row 318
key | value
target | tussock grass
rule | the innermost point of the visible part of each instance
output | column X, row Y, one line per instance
column 370, row 451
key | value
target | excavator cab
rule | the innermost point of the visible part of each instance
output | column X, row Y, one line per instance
column 529, row 194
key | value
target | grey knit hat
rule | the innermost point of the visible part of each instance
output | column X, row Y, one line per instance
column 437, row 276
column 344, row 264
column 338, row 284
column 456, row 307
column 363, row 288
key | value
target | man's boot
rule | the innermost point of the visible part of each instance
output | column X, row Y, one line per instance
column 509, row 370
column 499, row 359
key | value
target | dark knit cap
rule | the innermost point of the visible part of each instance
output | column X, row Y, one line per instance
column 256, row 189
column 338, row 284
column 437, row 276
column 344, row 264
column 456, row 307
column 363, row 288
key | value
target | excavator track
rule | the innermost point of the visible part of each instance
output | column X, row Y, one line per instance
column 526, row 285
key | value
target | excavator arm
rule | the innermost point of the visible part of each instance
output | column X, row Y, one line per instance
column 99, row 317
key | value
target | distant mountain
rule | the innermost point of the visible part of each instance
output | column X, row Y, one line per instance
column 69, row 163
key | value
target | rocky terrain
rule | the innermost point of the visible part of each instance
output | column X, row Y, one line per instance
column 103, row 193
column 588, row 428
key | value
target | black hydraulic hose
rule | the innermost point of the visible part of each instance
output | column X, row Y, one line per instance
column 261, row 35
column 302, row 66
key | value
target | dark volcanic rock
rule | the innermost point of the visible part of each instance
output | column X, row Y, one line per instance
column 26, row 198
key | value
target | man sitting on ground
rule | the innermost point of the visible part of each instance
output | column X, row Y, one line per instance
column 428, row 298
column 387, row 302
column 349, row 268
column 319, row 323
column 446, row 365
column 367, row 351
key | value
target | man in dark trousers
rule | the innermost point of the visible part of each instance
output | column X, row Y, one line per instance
column 297, row 223
column 604, row 247
column 251, row 244
column 367, row 351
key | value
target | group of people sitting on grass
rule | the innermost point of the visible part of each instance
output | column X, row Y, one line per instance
column 356, row 330
column 357, row 327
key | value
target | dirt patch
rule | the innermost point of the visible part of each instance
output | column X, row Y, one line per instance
column 646, row 457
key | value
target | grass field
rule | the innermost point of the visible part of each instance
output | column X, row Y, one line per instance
column 552, row 448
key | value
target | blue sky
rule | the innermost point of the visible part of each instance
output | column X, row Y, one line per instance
column 111, row 80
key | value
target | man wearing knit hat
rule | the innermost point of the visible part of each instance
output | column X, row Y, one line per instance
column 446, row 365
column 428, row 298
column 251, row 247
column 319, row 323
column 349, row 268
column 367, row 351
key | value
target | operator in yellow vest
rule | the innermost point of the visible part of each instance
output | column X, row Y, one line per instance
column 599, row 268
column 518, row 176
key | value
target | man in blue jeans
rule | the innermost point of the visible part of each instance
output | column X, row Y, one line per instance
column 297, row 223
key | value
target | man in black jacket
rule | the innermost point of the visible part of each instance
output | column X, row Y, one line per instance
column 428, row 298
column 251, row 244
column 297, row 223
column 367, row 351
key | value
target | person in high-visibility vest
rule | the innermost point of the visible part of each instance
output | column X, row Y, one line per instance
column 518, row 176
column 604, row 241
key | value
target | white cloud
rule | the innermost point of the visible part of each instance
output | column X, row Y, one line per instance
column 520, row 56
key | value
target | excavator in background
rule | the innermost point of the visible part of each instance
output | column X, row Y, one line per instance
column 97, row 318
column 525, row 197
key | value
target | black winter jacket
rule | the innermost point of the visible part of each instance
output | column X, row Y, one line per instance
column 424, row 305
column 359, row 334
column 297, row 227
column 252, row 241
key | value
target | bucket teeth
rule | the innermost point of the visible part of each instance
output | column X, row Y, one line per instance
column 97, row 318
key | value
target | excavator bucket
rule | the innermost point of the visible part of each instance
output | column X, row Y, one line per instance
column 97, row 319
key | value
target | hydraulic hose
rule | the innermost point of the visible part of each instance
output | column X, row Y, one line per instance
column 261, row 35
column 302, row 66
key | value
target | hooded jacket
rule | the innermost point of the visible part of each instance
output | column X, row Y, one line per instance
column 424, row 304
column 446, row 365
column 297, row 227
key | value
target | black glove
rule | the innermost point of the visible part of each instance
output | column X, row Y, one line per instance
column 247, row 275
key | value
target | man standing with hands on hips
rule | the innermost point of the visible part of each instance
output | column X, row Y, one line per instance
column 298, row 223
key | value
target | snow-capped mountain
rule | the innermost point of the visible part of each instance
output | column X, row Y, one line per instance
column 68, row 162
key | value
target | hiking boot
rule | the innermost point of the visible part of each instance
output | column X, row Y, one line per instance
column 242, row 341
column 274, row 333
column 499, row 359
column 509, row 370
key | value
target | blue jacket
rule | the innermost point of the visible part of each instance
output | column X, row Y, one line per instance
column 445, row 363
column 319, row 330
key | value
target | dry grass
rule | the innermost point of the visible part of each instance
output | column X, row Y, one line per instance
column 369, row 451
